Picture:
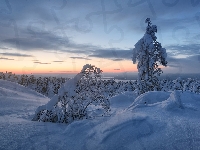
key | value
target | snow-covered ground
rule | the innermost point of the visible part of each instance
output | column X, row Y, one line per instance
column 154, row 120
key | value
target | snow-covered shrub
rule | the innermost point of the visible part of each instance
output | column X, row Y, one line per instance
column 165, row 85
column 187, row 85
column 2, row 76
column 74, row 97
column 178, row 84
column 191, row 85
column 196, row 87
column 32, row 80
column 148, row 52
column 23, row 80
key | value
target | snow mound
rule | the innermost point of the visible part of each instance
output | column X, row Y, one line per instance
column 122, row 101
column 167, row 100
column 149, row 98
column 173, row 102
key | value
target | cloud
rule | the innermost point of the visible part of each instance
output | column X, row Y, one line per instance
column 116, row 69
column 43, row 26
column 185, row 65
column 4, row 58
column 47, row 40
column 80, row 58
column 5, row 48
column 45, row 63
column 36, row 34
column 42, row 41
column 107, row 53
column 16, row 54
column 189, row 49
column 58, row 61
column 51, row 41
column 113, row 54
column 66, row 71
column 158, row 11
column 37, row 62
column 119, row 59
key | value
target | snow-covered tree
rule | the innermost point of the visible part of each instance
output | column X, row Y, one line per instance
column 148, row 52
column 74, row 97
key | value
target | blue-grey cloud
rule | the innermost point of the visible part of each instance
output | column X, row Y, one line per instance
column 16, row 54
column 114, row 54
column 118, row 59
column 42, row 41
column 185, row 65
column 167, row 17
column 37, row 31
column 47, row 41
column 4, row 48
column 189, row 49
column 50, row 41
column 80, row 58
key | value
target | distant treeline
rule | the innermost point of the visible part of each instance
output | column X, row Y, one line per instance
column 49, row 86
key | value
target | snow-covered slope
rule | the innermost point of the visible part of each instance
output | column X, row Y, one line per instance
column 154, row 120
column 17, row 106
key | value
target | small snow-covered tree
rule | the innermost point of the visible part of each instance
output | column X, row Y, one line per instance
column 148, row 52
column 74, row 97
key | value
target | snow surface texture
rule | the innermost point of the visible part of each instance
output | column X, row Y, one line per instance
column 154, row 120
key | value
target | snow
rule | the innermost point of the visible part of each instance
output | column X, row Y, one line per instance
column 154, row 120
column 122, row 101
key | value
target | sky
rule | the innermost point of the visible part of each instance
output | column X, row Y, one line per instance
column 48, row 36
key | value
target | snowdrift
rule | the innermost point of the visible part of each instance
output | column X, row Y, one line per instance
column 154, row 120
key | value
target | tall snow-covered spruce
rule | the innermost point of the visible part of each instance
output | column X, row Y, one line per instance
column 148, row 52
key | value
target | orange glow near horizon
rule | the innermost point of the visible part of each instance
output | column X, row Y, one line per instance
column 26, row 67
column 49, row 63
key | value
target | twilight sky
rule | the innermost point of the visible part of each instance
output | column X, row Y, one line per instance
column 48, row 36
